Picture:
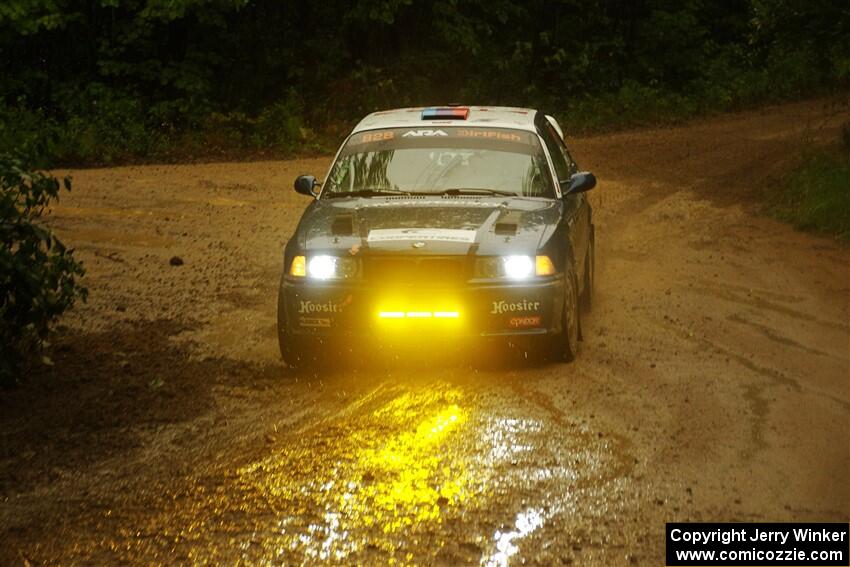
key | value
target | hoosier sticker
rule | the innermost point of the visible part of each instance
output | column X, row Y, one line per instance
column 309, row 307
column 323, row 307
column 524, row 306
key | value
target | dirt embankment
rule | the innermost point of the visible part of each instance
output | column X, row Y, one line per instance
column 713, row 383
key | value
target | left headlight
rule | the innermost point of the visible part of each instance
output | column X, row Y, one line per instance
column 323, row 267
column 517, row 267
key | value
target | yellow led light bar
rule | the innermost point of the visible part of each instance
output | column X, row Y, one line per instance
column 446, row 314
column 418, row 314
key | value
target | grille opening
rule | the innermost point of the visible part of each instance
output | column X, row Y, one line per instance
column 421, row 270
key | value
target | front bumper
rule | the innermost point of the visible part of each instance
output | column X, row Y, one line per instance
column 487, row 309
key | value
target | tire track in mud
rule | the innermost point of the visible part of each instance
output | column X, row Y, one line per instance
column 752, row 392
column 435, row 471
column 760, row 303
column 772, row 335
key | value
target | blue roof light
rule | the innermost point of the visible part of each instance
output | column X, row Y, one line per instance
column 453, row 113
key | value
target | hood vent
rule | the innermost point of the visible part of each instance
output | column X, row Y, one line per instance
column 506, row 228
column 507, row 223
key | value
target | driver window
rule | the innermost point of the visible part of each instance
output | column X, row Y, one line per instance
column 569, row 158
column 562, row 168
column 562, row 147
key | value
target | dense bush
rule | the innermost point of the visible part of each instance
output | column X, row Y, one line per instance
column 105, row 81
column 39, row 278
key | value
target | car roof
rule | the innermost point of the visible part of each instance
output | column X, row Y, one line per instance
column 479, row 116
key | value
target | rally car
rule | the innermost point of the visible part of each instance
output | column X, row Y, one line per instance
column 447, row 222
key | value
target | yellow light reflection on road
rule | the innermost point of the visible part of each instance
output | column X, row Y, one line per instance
column 409, row 481
column 393, row 469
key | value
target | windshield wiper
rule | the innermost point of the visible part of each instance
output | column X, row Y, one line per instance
column 474, row 191
column 365, row 193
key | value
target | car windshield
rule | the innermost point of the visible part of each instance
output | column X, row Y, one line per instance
column 440, row 160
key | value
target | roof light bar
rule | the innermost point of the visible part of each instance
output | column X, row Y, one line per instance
column 453, row 113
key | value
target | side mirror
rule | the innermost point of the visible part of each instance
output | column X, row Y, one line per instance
column 306, row 185
column 579, row 183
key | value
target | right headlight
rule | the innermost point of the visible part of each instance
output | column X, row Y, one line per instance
column 515, row 267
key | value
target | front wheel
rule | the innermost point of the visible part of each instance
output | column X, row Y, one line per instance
column 297, row 352
column 565, row 345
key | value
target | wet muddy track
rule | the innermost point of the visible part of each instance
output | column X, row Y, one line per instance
column 712, row 383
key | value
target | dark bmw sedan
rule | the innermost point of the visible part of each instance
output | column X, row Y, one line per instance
column 467, row 222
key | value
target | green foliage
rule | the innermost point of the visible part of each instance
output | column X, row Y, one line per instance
column 39, row 278
column 105, row 122
column 280, row 125
column 816, row 195
column 29, row 132
column 103, row 81
column 632, row 104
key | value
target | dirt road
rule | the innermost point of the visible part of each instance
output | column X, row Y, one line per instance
column 713, row 383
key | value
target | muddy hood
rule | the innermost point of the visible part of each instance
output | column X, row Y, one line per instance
column 437, row 226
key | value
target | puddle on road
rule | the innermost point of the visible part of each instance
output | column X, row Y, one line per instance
column 526, row 522
column 363, row 486
column 414, row 475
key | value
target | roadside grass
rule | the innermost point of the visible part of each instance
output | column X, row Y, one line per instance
column 815, row 195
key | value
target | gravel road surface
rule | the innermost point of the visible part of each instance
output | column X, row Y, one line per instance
column 713, row 383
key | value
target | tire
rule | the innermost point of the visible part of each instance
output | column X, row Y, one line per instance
column 293, row 353
column 566, row 342
column 586, row 301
